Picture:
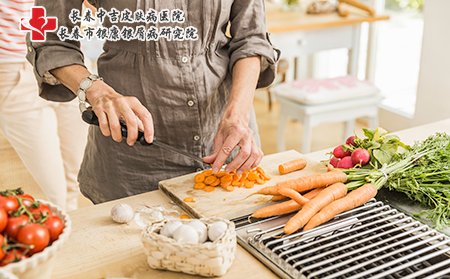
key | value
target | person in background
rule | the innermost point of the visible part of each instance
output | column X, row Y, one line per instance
column 49, row 137
column 195, row 95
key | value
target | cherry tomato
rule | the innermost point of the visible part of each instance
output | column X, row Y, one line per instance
column 3, row 219
column 2, row 242
column 9, row 203
column 36, row 235
column 27, row 199
column 40, row 211
column 14, row 225
column 12, row 256
column 55, row 227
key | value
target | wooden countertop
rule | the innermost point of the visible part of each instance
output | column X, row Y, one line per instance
column 99, row 248
column 279, row 21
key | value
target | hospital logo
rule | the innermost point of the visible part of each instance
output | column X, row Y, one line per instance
column 38, row 24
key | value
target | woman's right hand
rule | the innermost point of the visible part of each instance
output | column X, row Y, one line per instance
column 111, row 107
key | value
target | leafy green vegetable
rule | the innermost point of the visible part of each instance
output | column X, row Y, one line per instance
column 422, row 173
column 382, row 147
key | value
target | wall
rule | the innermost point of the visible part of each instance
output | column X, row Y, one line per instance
column 433, row 93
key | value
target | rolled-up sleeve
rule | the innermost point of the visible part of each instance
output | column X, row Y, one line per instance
column 54, row 53
column 250, row 38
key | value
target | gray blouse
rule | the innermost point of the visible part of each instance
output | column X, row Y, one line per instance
column 184, row 84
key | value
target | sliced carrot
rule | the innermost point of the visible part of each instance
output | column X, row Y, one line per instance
column 225, row 184
column 249, row 184
column 189, row 199
column 292, row 166
column 209, row 188
column 352, row 200
column 229, row 188
column 252, row 176
column 199, row 186
column 184, row 216
column 325, row 197
column 263, row 173
column 260, row 181
column 199, row 178
column 209, row 180
column 226, row 178
column 284, row 207
column 220, row 174
column 207, row 172
column 294, row 195
column 215, row 183
column 243, row 177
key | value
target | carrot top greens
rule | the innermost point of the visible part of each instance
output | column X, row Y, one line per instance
column 421, row 172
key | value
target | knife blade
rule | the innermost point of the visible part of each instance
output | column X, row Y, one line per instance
column 90, row 117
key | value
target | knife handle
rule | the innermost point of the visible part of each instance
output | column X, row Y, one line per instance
column 90, row 117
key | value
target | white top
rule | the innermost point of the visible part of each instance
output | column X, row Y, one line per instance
column 12, row 40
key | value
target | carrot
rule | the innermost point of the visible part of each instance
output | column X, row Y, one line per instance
column 249, row 184
column 199, row 178
column 209, row 188
column 278, row 198
column 354, row 199
column 325, row 197
column 306, row 183
column 221, row 173
column 199, row 186
column 207, row 172
column 215, row 183
column 189, row 199
column 252, row 176
column 294, row 195
column 292, row 166
column 209, row 180
column 284, row 207
column 260, row 181
column 262, row 173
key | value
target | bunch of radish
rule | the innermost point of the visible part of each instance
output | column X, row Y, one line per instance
column 349, row 155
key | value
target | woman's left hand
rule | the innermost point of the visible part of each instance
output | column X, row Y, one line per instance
column 232, row 133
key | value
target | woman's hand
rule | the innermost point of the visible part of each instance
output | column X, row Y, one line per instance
column 234, row 133
column 111, row 107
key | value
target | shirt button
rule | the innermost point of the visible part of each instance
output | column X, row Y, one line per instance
column 30, row 49
column 184, row 59
column 190, row 103
column 196, row 137
column 199, row 169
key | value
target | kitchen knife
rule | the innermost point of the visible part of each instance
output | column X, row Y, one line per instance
column 90, row 117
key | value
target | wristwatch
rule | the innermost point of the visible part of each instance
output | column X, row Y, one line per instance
column 85, row 84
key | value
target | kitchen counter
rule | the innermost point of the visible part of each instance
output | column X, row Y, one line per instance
column 99, row 248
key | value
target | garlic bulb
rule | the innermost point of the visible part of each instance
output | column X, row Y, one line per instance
column 186, row 234
column 201, row 229
column 216, row 230
column 170, row 227
column 122, row 213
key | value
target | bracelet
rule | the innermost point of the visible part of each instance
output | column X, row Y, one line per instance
column 85, row 84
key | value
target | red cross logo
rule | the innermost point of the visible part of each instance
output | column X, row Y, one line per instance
column 38, row 24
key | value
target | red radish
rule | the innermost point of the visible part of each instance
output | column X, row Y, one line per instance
column 360, row 156
column 350, row 140
column 334, row 161
column 339, row 152
column 345, row 163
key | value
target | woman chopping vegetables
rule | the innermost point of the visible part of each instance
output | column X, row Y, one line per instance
column 195, row 95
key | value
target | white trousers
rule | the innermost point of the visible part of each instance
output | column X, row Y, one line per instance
column 49, row 137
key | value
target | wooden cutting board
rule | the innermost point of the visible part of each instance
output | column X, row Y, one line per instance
column 231, row 205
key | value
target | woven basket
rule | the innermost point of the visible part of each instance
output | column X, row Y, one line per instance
column 40, row 265
column 205, row 259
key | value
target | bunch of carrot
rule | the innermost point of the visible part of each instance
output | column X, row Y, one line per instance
column 325, row 197
column 208, row 181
